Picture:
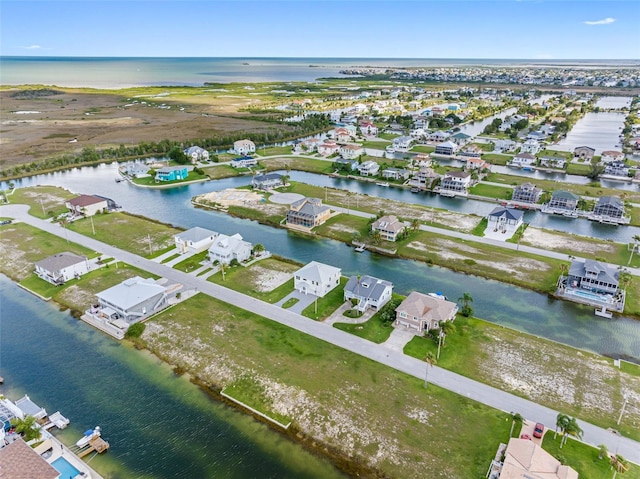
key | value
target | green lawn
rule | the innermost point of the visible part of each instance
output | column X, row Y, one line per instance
column 373, row 330
column 584, row 458
column 131, row 233
column 43, row 288
column 578, row 168
column 274, row 150
column 496, row 158
column 323, row 307
column 220, row 171
column 150, row 181
column 300, row 164
column 492, row 191
column 44, row 201
column 376, row 145
column 423, row 149
column 406, row 426
column 191, row 263
column 343, row 228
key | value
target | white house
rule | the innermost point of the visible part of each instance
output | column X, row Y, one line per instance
column 244, row 147
column 132, row 300
column 504, row 145
column 530, row 146
column 227, row 248
column 61, row 267
column 446, row 148
column 368, row 292
column 197, row 154
column 439, row 136
column 351, row 151
column 455, row 182
column 402, row 143
column 328, row 148
column 194, row 240
column 369, row 168
column 243, row 162
column 316, row 278
column 342, row 135
column 523, row 159
column 503, row 220
column 368, row 129
column 611, row 156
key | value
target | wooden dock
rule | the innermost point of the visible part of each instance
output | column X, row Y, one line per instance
column 96, row 444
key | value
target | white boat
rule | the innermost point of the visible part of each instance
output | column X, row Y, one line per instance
column 438, row 295
column 383, row 184
column 88, row 436
column 390, row 149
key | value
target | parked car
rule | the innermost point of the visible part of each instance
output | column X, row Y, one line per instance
column 538, row 430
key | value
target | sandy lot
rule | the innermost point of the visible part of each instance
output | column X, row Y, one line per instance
column 547, row 240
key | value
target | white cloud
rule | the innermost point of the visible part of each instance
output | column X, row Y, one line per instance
column 32, row 47
column 604, row 21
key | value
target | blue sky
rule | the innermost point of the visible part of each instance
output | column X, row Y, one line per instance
column 535, row 29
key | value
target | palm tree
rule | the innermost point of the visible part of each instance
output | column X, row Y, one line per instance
column 571, row 429
column 258, row 248
column 619, row 465
column 284, row 179
column 466, row 299
column 27, row 427
column 561, row 423
column 377, row 237
column 602, row 451
column 636, row 239
column 445, row 328
column 431, row 361
column 515, row 418
column 415, row 224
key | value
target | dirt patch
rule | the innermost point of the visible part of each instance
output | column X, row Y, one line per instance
column 547, row 240
column 231, row 197
column 268, row 279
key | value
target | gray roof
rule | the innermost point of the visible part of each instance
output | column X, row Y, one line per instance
column 60, row 261
column 509, row 213
column 28, row 407
column 606, row 274
column 20, row 461
column 310, row 206
column 565, row 194
column 458, row 174
column 196, row 234
column 319, row 272
column 368, row 287
column 131, row 292
column 460, row 136
column 614, row 201
column 267, row 177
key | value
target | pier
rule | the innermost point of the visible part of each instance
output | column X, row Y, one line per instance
column 96, row 444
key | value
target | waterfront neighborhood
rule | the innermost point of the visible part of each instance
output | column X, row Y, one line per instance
column 453, row 246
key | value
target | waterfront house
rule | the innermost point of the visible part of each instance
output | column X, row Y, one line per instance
column 316, row 278
column 389, row 227
column 341, row 135
column 553, row 162
column 226, row 248
column 471, row 151
column 422, row 159
column 402, row 143
column 610, row 156
column 455, row 182
column 349, row 165
column 523, row 160
column 536, row 135
column 446, row 148
column 395, row 174
column 616, row 168
column 525, row 459
column 196, row 153
column 351, row 151
column 460, row 138
column 526, row 193
column 172, row 173
column 477, row 164
column 422, row 312
column 194, row 240
column 368, row 129
column 530, row 146
column 563, row 201
column 584, row 152
column 61, row 267
column 244, row 147
column 132, row 300
column 20, row 460
column 609, row 207
column 311, row 144
column 504, row 145
column 308, row 213
column 504, row 220
column 244, row 162
column 369, row 168
column 266, row 181
column 328, row 148
column 29, row 408
column 439, row 136
column 135, row 169
column 593, row 276
column 87, row 205
column 367, row 292
column 424, row 178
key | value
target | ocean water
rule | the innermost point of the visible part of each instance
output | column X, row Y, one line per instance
column 106, row 72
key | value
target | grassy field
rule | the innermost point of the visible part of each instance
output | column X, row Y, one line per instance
column 33, row 245
column 301, row 164
column 220, row 171
column 44, row 201
column 491, row 191
column 376, row 145
column 137, row 235
column 274, row 150
column 578, row 169
column 584, row 458
column 496, row 159
column 149, row 181
column 331, row 394
column 323, row 307
column 373, row 330
column 423, row 149
column 345, row 228
column 579, row 383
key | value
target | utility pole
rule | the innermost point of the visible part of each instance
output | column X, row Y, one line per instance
column 624, row 405
column 149, row 241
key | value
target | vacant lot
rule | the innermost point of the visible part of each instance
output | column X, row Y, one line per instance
column 44, row 201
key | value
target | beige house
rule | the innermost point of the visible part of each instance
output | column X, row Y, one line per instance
column 308, row 212
column 524, row 458
column 423, row 312
column 610, row 156
column 244, row 147
column 87, row 205
column 351, row 151
column 389, row 227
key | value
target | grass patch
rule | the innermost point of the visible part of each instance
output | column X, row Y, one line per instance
column 323, row 307
column 296, row 163
column 290, row 302
column 423, row 149
column 343, row 228
column 272, row 215
column 584, row 458
column 41, row 287
column 373, row 330
column 630, row 368
column 480, row 228
column 492, row 191
column 220, row 171
column 160, row 252
column 301, row 366
column 44, row 201
column 376, row 145
column 150, row 181
column 169, row 258
column 192, row 262
column 274, row 150
column 578, row 168
column 249, row 392
column 138, row 235
column 496, row 158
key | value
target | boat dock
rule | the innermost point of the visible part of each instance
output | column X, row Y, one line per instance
column 97, row 444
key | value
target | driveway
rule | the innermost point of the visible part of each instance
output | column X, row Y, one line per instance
column 399, row 338
column 304, row 300
column 338, row 315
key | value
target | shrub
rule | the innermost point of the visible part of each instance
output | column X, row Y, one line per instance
column 135, row 331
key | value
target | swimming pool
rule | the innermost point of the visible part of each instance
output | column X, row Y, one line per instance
column 592, row 296
column 65, row 468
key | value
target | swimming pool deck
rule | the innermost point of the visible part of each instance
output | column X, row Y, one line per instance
column 60, row 450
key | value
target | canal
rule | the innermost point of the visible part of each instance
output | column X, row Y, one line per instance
column 159, row 425
column 501, row 303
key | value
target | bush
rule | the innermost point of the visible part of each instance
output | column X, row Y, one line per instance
column 135, row 331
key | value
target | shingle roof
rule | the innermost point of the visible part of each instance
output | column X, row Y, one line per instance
column 509, row 213
column 605, row 273
column 19, row 461
column 368, row 287
column 131, row 292
column 319, row 272
column 196, row 234
column 60, row 261
column 565, row 194
column 423, row 306
column 85, row 200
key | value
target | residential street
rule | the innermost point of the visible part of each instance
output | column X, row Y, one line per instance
column 471, row 389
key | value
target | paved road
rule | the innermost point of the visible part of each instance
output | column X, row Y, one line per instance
column 446, row 379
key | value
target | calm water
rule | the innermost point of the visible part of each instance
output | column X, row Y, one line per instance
column 501, row 303
column 477, row 127
column 125, row 72
column 158, row 425
column 597, row 130
column 614, row 102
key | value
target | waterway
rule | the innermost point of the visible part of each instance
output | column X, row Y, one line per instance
column 159, row 425
column 477, row 127
column 598, row 130
column 497, row 302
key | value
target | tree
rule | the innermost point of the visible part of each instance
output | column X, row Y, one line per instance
column 466, row 299
column 571, row 429
column 636, row 239
column 603, row 451
column 177, row 155
column 516, row 418
column 376, row 237
column 596, row 170
column 27, row 427
column 284, row 179
column 619, row 465
column 415, row 224
column 561, row 423
column 430, row 359
column 258, row 248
